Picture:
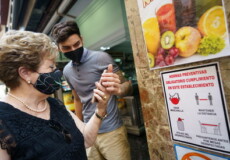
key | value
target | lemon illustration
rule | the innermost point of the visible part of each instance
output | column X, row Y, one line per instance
column 151, row 60
column 151, row 34
column 212, row 22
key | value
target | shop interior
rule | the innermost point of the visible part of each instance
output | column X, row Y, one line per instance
column 103, row 25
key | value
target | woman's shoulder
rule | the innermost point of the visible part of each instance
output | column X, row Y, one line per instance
column 55, row 101
column 6, row 109
column 7, row 141
column 59, row 111
column 57, row 106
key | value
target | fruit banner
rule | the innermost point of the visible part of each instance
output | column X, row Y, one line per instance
column 183, row 31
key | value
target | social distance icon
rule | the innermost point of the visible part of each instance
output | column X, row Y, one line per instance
column 175, row 99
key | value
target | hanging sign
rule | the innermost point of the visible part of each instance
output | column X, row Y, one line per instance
column 183, row 31
column 196, row 107
column 185, row 153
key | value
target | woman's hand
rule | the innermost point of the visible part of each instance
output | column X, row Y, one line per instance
column 91, row 128
column 102, row 96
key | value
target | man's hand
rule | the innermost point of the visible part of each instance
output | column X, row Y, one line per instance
column 111, row 81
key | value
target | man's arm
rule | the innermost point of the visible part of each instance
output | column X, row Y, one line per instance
column 125, row 85
column 77, row 105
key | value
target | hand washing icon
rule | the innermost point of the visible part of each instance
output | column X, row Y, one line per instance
column 174, row 98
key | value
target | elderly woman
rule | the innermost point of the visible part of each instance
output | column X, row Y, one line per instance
column 32, row 124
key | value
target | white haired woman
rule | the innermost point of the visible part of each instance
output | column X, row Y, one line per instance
column 32, row 124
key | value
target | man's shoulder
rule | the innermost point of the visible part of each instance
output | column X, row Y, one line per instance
column 67, row 66
column 94, row 52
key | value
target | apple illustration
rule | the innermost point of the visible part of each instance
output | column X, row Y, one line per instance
column 187, row 41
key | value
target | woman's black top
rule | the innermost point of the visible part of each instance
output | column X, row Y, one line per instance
column 26, row 137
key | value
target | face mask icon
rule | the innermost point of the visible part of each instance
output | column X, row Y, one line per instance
column 174, row 98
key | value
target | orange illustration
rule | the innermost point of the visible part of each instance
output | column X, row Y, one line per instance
column 152, row 34
column 194, row 154
column 212, row 22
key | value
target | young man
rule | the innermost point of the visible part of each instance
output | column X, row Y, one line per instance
column 85, row 68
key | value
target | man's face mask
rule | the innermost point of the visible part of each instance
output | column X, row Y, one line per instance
column 75, row 55
column 48, row 83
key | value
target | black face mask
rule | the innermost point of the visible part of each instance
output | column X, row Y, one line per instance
column 75, row 55
column 48, row 83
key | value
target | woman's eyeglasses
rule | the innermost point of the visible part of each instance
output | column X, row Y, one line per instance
column 59, row 128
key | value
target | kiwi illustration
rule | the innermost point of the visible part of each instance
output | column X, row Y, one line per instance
column 167, row 40
column 151, row 60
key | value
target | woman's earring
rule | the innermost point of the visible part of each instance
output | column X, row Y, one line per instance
column 28, row 81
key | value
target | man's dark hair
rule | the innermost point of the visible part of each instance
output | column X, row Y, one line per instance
column 61, row 31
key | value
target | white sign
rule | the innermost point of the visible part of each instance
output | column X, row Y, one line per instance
column 196, row 107
column 184, row 153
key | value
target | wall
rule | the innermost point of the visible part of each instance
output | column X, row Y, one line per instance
column 107, row 18
column 153, row 105
column 2, row 30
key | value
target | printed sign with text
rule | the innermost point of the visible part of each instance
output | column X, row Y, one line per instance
column 196, row 107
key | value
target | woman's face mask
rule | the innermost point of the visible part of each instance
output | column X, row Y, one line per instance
column 48, row 83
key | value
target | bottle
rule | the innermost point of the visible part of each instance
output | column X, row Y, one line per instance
column 180, row 124
column 185, row 13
